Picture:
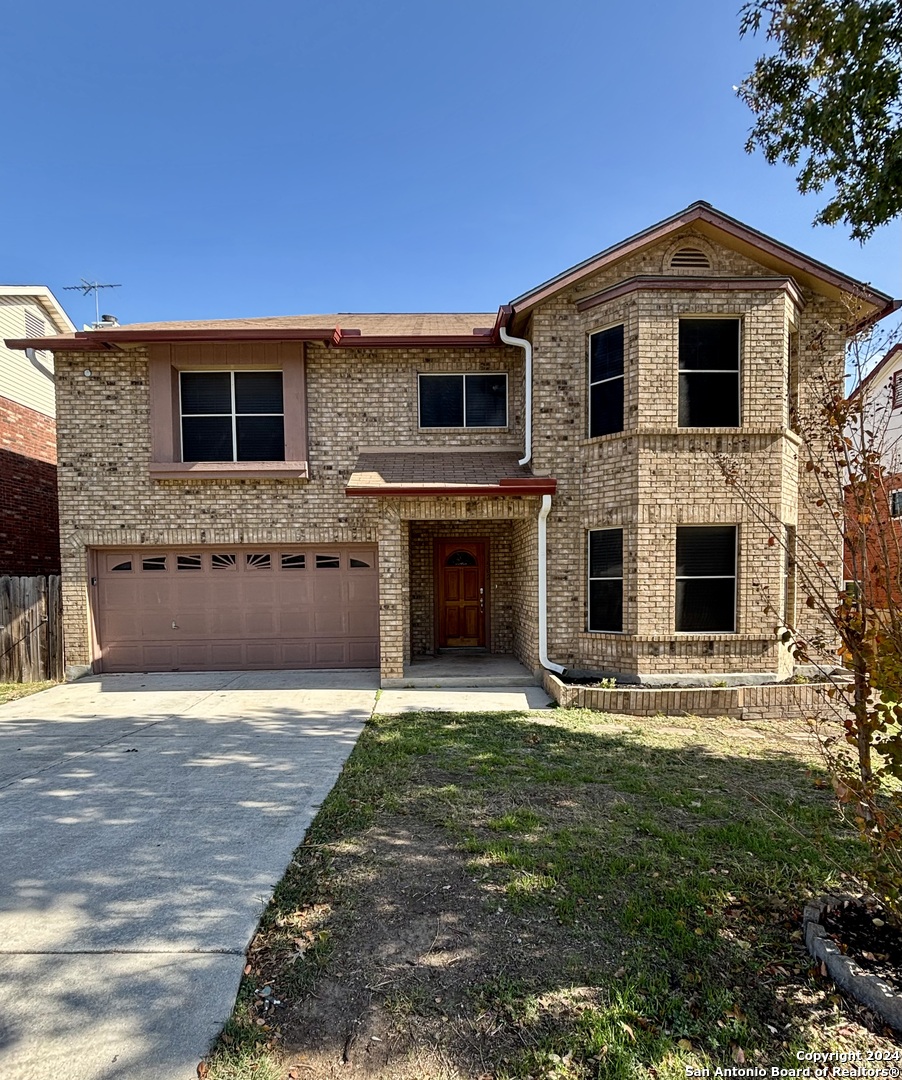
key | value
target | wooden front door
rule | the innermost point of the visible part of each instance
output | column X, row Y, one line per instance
column 460, row 567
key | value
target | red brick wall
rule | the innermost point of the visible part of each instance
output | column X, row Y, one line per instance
column 29, row 517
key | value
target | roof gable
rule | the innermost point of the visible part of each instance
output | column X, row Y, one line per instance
column 722, row 230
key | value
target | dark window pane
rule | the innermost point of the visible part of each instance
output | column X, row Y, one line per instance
column 206, row 392
column 606, row 408
column 486, row 400
column 460, row 558
column 606, row 553
column 328, row 562
column 153, row 562
column 294, row 562
column 261, row 561
column 708, row 400
column 441, row 401
column 606, row 605
column 359, row 564
column 261, row 438
column 206, row 438
column 188, row 562
column 224, row 562
column 122, row 566
column 709, row 343
column 705, row 605
column 606, row 354
column 705, row 550
column 258, row 392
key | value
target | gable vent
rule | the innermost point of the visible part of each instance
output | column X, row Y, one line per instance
column 34, row 325
column 693, row 257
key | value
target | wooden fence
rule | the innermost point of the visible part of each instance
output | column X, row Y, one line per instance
column 31, row 640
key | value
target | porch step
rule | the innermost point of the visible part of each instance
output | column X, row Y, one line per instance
column 438, row 682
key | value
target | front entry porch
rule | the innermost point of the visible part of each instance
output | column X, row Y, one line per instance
column 464, row 667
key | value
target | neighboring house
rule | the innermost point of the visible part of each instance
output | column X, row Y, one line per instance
column 878, row 511
column 357, row 490
column 29, row 522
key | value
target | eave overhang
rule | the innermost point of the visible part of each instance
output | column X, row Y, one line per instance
column 506, row 486
column 337, row 337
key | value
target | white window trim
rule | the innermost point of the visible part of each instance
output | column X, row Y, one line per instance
column 234, row 416
column 737, row 371
column 590, row 579
column 463, row 375
column 611, row 378
column 892, row 496
column 713, row 577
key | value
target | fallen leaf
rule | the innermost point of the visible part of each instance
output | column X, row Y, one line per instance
column 202, row 1069
column 628, row 1030
column 738, row 1055
column 684, row 1044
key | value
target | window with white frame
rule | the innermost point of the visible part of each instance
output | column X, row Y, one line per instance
column 464, row 400
column 232, row 416
column 709, row 373
column 606, row 381
column 605, row 580
column 895, row 388
column 895, row 504
column 706, row 579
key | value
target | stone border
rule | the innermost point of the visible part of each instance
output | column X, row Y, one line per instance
column 765, row 701
column 870, row 990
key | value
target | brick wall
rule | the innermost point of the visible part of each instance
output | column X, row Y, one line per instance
column 29, row 519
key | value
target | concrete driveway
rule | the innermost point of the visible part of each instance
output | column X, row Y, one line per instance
column 144, row 820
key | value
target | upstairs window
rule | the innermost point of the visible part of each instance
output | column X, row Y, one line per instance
column 606, row 381
column 895, row 504
column 463, row 401
column 896, row 390
column 606, row 580
column 706, row 579
column 232, row 416
column 709, row 373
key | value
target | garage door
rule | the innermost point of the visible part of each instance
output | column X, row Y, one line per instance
column 191, row 609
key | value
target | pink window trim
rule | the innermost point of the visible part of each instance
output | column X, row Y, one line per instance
column 164, row 365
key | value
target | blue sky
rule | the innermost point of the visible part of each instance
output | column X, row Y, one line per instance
column 244, row 159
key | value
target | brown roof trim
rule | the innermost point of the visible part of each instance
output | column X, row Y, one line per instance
column 340, row 337
column 656, row 282
column 700, row 211
column 875, row 373
column 514, row 485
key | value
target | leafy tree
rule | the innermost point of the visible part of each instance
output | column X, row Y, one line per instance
column 830, row 99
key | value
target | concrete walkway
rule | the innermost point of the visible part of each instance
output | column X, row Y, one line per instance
column 144, row 821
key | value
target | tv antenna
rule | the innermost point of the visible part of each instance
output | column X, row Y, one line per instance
column 88, row 287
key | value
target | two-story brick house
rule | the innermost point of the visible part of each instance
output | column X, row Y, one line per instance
column 358, row 490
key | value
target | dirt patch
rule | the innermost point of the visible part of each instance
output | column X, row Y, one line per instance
column 403, row 992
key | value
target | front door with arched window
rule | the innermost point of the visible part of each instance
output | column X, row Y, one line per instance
column 461, row 597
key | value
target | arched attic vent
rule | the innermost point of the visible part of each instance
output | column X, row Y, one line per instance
column 689, row 258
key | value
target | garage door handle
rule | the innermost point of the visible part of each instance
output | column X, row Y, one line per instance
column 174, row 625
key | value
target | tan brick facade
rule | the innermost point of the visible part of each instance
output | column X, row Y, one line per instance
column 647, row 480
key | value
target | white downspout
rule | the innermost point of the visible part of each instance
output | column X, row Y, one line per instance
column 545, row 510
column 543, row 589
column 526, row 346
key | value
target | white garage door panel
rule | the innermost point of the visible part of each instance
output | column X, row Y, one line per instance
column 183, row 609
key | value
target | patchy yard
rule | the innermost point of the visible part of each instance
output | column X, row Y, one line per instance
column 9, row 691
column 557, row 895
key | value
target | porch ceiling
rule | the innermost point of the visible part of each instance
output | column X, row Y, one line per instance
column 451, row 473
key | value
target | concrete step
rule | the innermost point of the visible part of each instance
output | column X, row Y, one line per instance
column 437, row 682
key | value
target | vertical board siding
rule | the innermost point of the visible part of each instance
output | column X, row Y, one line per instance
column 30, row 629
